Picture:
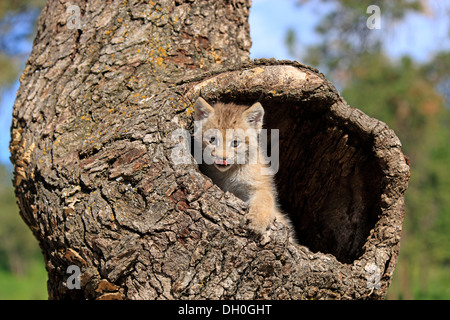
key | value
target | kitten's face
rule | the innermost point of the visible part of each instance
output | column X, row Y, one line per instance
column 229, row 133
column 227, row 147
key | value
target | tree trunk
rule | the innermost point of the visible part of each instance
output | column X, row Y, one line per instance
column 96, row 181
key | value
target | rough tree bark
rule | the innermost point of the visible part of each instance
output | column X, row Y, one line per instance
column 95, row 181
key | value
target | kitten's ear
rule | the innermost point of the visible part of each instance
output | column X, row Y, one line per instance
column 254, row 115
column 202, row 109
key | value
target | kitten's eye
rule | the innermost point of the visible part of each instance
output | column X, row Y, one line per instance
column 212, row 140
column 235, row 143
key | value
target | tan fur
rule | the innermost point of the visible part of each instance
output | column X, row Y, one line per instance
column 250, row 181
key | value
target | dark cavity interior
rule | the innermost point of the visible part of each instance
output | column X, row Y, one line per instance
column 328, row 180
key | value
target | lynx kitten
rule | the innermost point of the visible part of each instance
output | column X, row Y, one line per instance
column 229, row 134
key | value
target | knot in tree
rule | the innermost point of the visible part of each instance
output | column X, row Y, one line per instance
column 93, row 141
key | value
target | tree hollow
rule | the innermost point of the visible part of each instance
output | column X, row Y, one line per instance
column 330, row 178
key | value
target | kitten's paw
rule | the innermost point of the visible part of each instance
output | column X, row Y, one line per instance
column 259, row 218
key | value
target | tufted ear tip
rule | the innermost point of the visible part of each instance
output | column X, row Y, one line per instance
column 202, row 109
column 254, row 115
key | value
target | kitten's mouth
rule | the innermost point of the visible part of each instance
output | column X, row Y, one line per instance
column 221, row 165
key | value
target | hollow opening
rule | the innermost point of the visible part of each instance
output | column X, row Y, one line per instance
column 328, row 180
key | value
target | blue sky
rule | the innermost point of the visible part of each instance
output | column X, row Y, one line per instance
column 418, row 36
column 7, row 101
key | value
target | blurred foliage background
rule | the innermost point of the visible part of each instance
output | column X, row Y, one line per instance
column 411, row 97
column 22, row 271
